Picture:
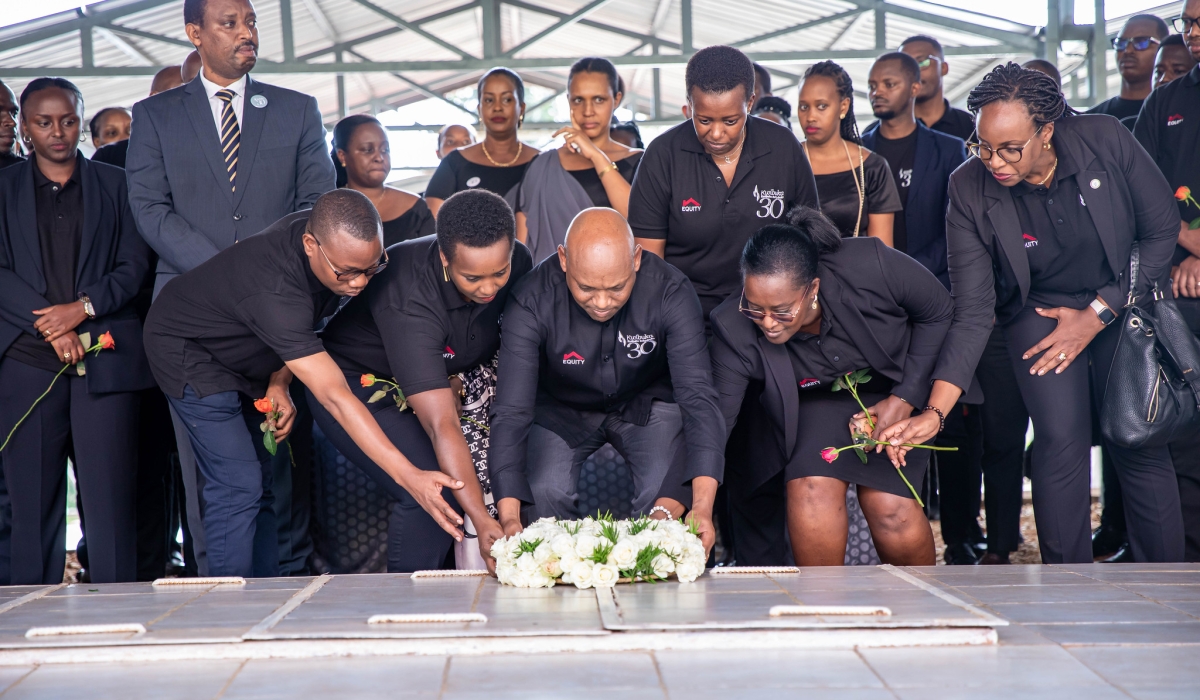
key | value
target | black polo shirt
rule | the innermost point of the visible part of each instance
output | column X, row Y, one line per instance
column 567, row 372
column 413, row 325
column 954, row 121
column 1168, row 127
column 230, row 323
column 679, row 195
column 1118, row 107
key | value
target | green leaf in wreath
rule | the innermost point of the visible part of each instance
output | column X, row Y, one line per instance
column 377, row 396
column 1194, row 224
column 861, row 455
column 269, row 442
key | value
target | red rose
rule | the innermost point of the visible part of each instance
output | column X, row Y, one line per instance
column 106, row 341
column 264, row 405
column 1183, row 193
column 367, row 380
column 829, row 454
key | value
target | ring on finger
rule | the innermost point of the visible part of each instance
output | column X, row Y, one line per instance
column 1062, row 357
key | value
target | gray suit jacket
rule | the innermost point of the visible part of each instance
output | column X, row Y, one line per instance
column 178, row 187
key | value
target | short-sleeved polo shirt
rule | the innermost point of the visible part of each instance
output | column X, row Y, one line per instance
column 680, row 195
column 1168, row 127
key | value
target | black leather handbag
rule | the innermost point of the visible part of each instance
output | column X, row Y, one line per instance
column 1152, row 395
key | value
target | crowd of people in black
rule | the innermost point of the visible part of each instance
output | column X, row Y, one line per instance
column 729, row 307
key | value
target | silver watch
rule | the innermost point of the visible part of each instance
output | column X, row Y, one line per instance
column 1103, row 312
column 87, row 306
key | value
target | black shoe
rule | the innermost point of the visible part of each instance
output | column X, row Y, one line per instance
column 1123, row 555
column 994, row 558
column 1107, row 541
column 979, row 543
column 84, row 576
column 961, row 554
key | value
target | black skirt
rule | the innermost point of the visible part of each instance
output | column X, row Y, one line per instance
column 824, row 417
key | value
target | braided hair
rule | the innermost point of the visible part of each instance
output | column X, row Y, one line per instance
column 1042, row 97
column 845, row 88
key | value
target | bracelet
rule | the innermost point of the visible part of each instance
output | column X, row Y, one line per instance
column 611, row 166
column 663, row 509
column 941, row 417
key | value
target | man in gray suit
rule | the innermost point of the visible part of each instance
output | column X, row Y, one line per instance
column 218, row 161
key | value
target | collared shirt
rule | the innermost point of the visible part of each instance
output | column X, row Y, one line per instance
column 954, row 121
column 1169, row 129
column 819, row 360
column 230, row 323
column 680, row 195
column 7, row 159
column 413, row 325
column 59, row 212
column 1118, row 107
column 218, row 106
column 563, row 370
column 1067, row 264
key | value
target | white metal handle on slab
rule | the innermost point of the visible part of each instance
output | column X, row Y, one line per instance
column 427, row 617
column 121, row 628
column 782, row 610
column 449, row 573
column 200, row 581
column 728, row 570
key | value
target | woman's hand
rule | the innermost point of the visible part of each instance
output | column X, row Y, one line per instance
column 580, row 144
column 1074, row 331
column 1185, row 278
column 917, row 430
column 277, row 391
column 705, row 530
column 488, row 532
column 68, row 347
column 509, row 510
column 885, row 414
column 59, row 319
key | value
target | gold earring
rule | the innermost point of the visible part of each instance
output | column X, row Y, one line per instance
column 1046, row 146
column 841, row 116
column 814, row 304
column 445, row 274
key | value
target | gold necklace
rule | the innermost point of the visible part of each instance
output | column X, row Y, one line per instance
column 501, row 165
column 1049, row 174
column 734, row 153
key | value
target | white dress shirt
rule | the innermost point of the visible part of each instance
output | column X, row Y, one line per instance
column 239, row 99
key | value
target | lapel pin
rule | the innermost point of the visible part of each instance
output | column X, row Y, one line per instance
column 260, row 102
column 1095, row 184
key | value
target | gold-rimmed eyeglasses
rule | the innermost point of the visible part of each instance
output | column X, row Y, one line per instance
column 1008, row 154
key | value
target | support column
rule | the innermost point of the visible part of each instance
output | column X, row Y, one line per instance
column 880, row 27
column 341, row 89
column 491, row 28
column 87, row 52
column 685, row 14
column 1053, row 31
column 1098, row 57
column 285, row 25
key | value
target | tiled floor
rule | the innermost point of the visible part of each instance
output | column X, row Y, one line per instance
column 1092, row 632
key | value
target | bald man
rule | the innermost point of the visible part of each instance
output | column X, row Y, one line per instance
column 601, row 344
column 10, row 153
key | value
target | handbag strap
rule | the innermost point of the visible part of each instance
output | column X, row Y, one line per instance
column 1134, row 261
column 1185, row 363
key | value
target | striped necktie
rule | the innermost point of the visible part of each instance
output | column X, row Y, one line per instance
column 231, row 135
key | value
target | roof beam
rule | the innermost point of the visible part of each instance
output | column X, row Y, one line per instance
column 1025, row 42
column 125, row 47
column 413, row 27
column 562, row 23
column 389, row 31
column 476, row 64
column 287, row 36
column 648, row 38
column 141, row 34
column 84, row 18
column 798, row 27
column 419, row 87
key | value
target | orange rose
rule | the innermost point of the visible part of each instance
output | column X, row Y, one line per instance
column 264, row 405
column 367, row 380
column 1183, row 193
column 106, row 341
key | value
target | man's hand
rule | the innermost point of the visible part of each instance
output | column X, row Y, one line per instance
column 427, row 487
column 510, row 516
column 1074, row 331
column 886, row 413
column 68, row 348
column 277, row 391
column 702, row 520
column 59, row 319
column 1185, row 279
column 456, row 388
column 488, row 531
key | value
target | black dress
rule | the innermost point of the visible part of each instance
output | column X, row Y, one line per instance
column 414, row 223
column 589, row 179
column 839, row 194
column 455, row 174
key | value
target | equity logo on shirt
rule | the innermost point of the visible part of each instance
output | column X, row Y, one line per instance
column 771, row 201
column 809, row 382
column 448, row 353
column 572, row 358
column 690, row 204
column 1030, row 241
column 637, row 345
column 1175, row 120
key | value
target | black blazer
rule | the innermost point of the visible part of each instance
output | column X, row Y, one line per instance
column 1127, row 196
column 113, row 260
column 893, row 308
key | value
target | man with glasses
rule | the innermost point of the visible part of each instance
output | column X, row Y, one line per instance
column 932, row 108
column 233, row 332
column 1136, row 47
column 1169, row 129
column 602, row 343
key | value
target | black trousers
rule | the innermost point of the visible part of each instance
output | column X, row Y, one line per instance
column 1187, row 474
column 415, row 541
column 959, row 474
column 103, row 430
column 155, row 485
column 1061, row 408
column 1004, row 421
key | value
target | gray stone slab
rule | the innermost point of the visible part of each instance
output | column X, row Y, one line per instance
column 755, row 693
column 567, row 675
column 362, row 678
column 184, row 680
column 1165, row 592
column 1111, row 611
column 1144, row 667
column 988, row 576
column 1049, row 594
column 1012, row 667
column 1003, row 692
column 1159, row 577
column 1148, row 633
column 1190, row 608
column 686, row 673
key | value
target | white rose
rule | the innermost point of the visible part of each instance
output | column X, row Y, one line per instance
column 687, row 572
column 663, row 566
column 569, row 561
column 605, row 575
column 526, row 563
column 624, row 554
column 552, row 568
column 543, row 554
column 585, row 545
column 562, row 545
column 581, row 574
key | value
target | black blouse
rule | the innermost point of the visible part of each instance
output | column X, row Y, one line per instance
column 839, row 195
column 455, row 173
column 414, row 223
column 590, row 179
column 818, row 360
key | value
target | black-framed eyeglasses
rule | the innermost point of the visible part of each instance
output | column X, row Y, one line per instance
column 350, row 275
column 1184, row 23
column 1140, row 43
column 1009, row 154
column 785, row 317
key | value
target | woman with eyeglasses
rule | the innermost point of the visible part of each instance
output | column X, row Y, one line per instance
column 1040, row 231
column 814, row 307
column 498, row 162
column 428, row 327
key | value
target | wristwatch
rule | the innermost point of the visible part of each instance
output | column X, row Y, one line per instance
column 1106, row 315
column 87, row 306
